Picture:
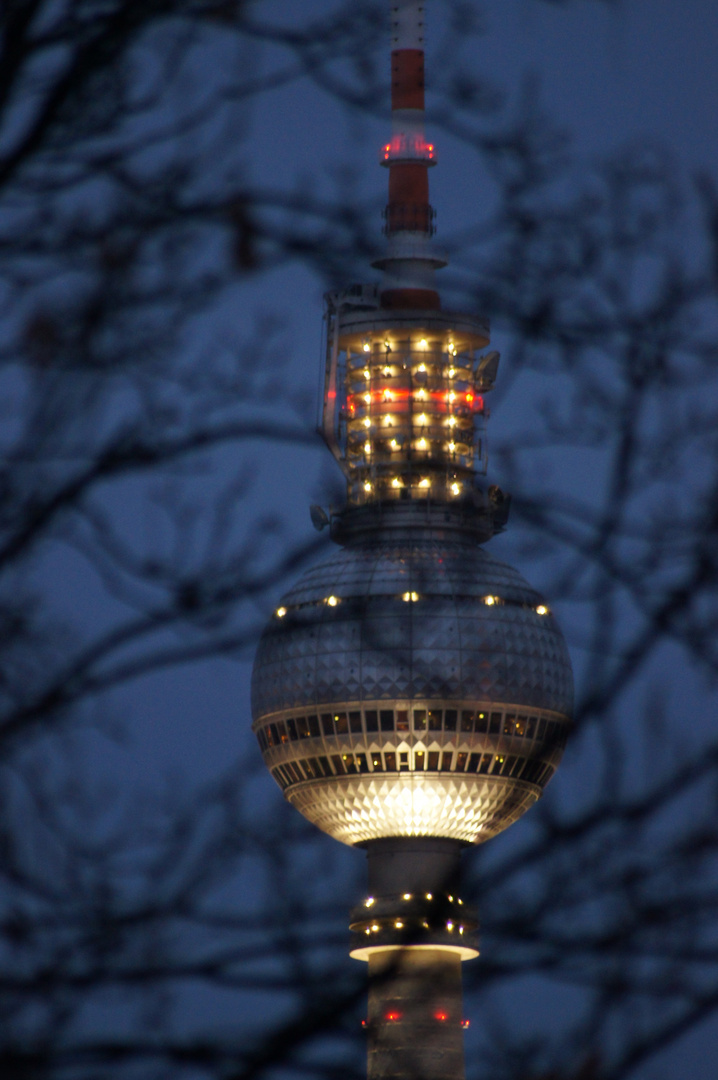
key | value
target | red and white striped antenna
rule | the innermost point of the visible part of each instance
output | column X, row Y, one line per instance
column 409, row 262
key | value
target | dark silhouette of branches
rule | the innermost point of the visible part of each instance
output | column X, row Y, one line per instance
column 148, row 928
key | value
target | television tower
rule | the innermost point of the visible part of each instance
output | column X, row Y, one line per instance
column 411, row 693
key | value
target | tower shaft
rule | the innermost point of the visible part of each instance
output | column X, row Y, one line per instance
column 414, row 1016
column 419, row 932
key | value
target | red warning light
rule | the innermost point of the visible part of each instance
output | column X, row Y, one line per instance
column 393, row 1016
column 441, row 1016
column 465, row 1023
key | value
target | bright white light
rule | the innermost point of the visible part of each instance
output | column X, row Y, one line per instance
column 367, row 422
column 367, row 398
column 423, row 343
column 396, row 482
column 367, row 448
column 422, row 444
column 455, row 489
column 542, row 610
column 367, row 485
column 407, row 896
column 281, row 612
column 452, row 446
column 452, row 421
column 425, row 483
column 366, row 346
column 367, row 373
column 332, row 601
column 489, row 601
column 422, row 367
column 369, row 901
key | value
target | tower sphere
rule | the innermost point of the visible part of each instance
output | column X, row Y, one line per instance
column 412, row 684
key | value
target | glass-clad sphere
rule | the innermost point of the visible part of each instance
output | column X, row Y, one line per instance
column 412, row 687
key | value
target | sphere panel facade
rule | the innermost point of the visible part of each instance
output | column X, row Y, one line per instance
column 449, row 640
column 355, row 810
column 366, row 675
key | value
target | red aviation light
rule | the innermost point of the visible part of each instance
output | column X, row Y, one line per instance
column 393, row 1016
column 408, row 148
column 441, row 1016
column 403, row 394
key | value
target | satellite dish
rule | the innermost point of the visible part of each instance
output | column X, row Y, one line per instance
column 320, row 518
column 488, row 367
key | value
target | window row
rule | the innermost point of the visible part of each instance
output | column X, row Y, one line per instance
column 417, row 720
column 530, row 770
